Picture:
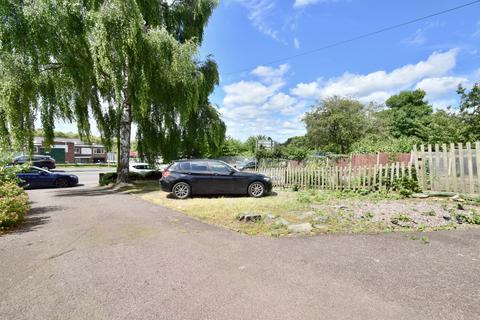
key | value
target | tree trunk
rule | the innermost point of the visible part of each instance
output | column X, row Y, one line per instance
column 124, row 142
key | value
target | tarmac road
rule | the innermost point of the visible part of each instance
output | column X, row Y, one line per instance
column 84, row 253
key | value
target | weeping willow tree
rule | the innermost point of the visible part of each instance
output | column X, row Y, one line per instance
column 117, row 62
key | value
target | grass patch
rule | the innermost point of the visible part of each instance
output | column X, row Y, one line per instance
column 326, row 211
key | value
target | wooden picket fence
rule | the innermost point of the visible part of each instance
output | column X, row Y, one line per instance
column 452, row 168
column 339, row 178
column 437, row 168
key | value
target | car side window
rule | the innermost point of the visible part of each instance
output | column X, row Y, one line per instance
column 181, row 167
column 200, row 167
column 217, row 167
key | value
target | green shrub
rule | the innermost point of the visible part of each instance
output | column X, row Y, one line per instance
column 406, row 186
column 13, row 204
column 111, row 177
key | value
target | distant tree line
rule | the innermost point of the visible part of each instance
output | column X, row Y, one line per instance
column 344, row 125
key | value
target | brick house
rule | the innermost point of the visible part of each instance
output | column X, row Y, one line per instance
column 73, row 150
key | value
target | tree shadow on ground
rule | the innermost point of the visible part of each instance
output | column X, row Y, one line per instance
column 218, row 196
column 90, row 192
column 35, row 218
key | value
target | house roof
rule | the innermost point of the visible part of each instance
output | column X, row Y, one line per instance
column 77, row 142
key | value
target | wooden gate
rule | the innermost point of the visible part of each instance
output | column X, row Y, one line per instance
column 452, row 168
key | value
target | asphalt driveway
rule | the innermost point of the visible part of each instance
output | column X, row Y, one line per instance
column 84, row 253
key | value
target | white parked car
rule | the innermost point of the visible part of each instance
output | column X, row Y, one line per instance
column 142, row 168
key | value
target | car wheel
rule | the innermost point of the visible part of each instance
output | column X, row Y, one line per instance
column 181, row 190
column 61, row 183
column 256, row 189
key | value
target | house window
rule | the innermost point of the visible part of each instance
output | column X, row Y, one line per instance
column 78, row 150
column 98, row 150
column 36, row 149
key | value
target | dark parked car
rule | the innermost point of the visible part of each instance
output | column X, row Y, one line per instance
column 192, row 177
column 45, row 162
column 247, row 165
column 36, row 177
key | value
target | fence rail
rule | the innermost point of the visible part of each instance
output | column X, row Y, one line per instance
column 339, row 178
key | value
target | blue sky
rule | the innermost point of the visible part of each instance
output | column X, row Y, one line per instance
column 259, row 98
column 255, row 97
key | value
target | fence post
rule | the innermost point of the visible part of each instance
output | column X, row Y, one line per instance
column 380, row 176
column 453, row 164
column 470, row 168
column 446, row 168
column 477, row 156
column 462, row 167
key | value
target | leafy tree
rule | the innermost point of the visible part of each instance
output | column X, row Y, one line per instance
column 296, row 153
column 298, row 142
column 233, row 147
column 470, row 111
column 408, row 114
column 444, row 128
column 336, row 123
column 251, row 142
column 118, row 61
column 384, row 142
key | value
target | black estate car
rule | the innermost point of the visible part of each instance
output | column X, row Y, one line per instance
column 45, row 162
column 191, row 177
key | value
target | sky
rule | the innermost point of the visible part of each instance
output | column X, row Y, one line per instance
column 261, row 92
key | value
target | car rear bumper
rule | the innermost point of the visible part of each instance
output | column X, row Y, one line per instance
column 165, row 185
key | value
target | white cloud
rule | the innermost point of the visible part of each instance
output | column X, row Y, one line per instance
column 264, row 106
column 416, row 39
column 271, row 75
column 248, row 93
column 259, row 12
column 306, row 90
column 439, row 87
column 304, row 3
column 380, row 83
column 296, row 43
column 260, row 106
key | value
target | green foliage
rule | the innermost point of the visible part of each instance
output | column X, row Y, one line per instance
column 470, row 112
column 234, row 147
column 111, row 177
column 117, row 61
column 401, row 217
column 8, row 173
column 297, row 154
column 408, row 114
column 406, row 186
column 444, row 127
column 13, row 204
column 337, row 123
column 251, row 142
column 384, row 143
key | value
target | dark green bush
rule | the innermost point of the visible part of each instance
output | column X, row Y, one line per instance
column 406, row 186
column 111, row 177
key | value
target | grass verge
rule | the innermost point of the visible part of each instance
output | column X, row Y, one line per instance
column 325, row 211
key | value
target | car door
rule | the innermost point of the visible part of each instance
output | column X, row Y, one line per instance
column 222, row 179
column 34, row 178
column 200, row 178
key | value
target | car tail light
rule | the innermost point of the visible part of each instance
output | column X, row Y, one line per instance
column 165, row 173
